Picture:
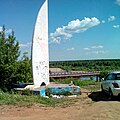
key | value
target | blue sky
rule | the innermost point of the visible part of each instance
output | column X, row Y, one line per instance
column 78, row 29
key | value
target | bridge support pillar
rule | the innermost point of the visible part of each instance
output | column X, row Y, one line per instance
column 97, row 78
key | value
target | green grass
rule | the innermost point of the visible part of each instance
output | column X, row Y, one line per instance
column 91, row 85
column 23, row 100
column 80, row 83
column 28, row 100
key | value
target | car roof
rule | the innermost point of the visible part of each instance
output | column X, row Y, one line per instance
column 115, row 72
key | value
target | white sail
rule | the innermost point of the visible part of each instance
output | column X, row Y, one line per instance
column 40, row 56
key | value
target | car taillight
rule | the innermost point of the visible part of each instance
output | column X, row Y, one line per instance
column 115, row 85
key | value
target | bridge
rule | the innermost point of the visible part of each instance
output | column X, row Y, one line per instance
column 75, row 74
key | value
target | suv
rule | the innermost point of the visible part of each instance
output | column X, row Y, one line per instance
column 111, row 84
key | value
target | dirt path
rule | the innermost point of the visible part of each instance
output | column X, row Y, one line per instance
column 95, row 106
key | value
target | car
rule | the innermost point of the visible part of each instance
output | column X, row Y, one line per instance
column 111, row 84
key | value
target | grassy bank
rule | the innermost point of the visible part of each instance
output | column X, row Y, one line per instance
column 23, row 100
column 28, row 100
column 80, row 83
column 91, row 85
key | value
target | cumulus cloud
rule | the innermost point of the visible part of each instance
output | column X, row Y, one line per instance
column 97, row 47
column 116, row 26
column 103, row 21
column 118, row 2
column 70, row 49
column 94, row 50
column 111, row 18
column 94, row 47
column 0, row 28
column 98, row 52
column 8, row 31
column 86, row 48
column 25, row 45
column 75, row 26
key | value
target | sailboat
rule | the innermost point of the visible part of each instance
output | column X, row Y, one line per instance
column 40, row 54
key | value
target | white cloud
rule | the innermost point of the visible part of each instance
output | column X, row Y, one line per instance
column 75, row 26
column 103, row 21
column 111, row 18
column 96, row 52
column 70, row 49
column 94, row 47
column 97, row 47
column 8, row 31
column 116, row 26
column 86, row 48
column 118, row 2
column 0, row 28
column 25, row 45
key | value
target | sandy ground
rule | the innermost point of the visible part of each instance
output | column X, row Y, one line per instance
column 91, row 106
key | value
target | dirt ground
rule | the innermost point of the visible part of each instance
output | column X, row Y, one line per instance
column 91, row 106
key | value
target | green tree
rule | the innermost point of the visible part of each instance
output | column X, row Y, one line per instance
column 103, row 74
column 24, row 70
column 9, row 53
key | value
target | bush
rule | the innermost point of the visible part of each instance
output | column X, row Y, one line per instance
column 103, row 74
column 26, row 92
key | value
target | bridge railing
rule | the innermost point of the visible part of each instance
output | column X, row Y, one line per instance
column 73, row 73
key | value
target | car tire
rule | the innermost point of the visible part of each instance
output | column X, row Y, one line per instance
column 110, row 93
column 102, row 89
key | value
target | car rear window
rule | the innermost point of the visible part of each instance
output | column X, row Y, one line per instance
column 118, row 76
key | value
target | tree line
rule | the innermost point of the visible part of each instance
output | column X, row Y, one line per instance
column 88, row 65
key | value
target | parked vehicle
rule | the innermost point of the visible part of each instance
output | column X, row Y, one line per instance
column 111, row 84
